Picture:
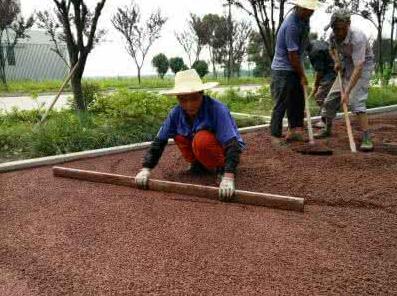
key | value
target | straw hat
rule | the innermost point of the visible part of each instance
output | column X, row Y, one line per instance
column 308, row 4
column 187, row 82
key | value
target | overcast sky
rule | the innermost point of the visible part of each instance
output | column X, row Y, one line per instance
column 110, row 57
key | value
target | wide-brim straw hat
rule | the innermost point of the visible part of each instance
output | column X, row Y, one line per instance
column 187, row 82
column 308, row 4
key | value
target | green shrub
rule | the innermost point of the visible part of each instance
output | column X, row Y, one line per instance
column 161, row 63
column 249, row 121
column 118, row 119
column 125, row 105
column 252, row 102
column 201, row 67
column 123, row 118
column 382, row 96
column 91, row 91
column 177, row 64
column 18, row 116
column 13, row 139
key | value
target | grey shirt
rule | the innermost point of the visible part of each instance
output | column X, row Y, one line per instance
column 355, row 49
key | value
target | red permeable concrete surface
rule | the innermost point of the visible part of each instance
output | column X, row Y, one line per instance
column 67, row 237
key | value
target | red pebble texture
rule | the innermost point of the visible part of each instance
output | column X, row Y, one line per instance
column 68, row 237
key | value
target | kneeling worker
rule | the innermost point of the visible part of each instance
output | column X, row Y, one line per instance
column 204, row 131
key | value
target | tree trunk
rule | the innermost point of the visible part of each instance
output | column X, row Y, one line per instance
column 266, row 41
column 229, row 66
column 214, row 70
column 139, row 75
column 78, row 93
column 213, row 63
column 392, row 37
column 76, row 83
column 3, row 76
column 380, row 55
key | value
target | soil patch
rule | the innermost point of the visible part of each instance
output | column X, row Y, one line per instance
column 68, row 237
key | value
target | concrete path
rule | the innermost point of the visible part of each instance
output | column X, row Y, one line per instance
column 28, row 103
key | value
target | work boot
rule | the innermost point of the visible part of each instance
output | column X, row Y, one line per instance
column 196, row 168
column 326, row 131
column 319, row 124
column 366, row 143
column 294, row 135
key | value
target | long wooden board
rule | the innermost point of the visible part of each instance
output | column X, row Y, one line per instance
column 240, row 196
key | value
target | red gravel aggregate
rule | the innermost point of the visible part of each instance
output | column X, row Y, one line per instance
column 68, row 237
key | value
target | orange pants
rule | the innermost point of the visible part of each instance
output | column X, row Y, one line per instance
column 204, row 148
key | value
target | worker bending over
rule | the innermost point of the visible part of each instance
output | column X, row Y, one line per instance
column 353, row 56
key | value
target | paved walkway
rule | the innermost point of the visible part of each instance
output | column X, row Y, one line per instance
column 28, row 103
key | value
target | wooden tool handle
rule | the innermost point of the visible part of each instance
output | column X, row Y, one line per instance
column 69, row 76
column 308, row 116
column 344, row 106
column 347, row 119
column 244, row 197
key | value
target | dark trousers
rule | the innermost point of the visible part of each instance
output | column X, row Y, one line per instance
column 288, row 96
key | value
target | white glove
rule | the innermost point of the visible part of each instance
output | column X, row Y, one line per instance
column 142, row 178
column 226, row 189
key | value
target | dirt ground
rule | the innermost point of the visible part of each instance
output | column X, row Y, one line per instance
column 68, row 237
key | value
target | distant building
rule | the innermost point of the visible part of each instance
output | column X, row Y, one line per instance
column 33, row 59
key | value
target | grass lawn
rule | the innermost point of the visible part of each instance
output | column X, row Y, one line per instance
column 103, row 84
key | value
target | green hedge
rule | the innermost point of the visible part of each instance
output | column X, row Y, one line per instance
column 123, row 118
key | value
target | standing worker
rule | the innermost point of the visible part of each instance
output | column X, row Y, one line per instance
column 288, row 74
column 323, row 65
column 204, row 131
column 353, row 56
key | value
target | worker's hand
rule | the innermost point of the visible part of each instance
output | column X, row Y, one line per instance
column 304, row 82
column 337, row 67
column 142, row 178
column 345, row 98
column 226, row 188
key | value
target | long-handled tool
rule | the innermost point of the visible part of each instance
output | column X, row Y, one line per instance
column 68, row 77
column 345, row 110
column 308, row 117
column 240, row 196
column 312, row 148
column 347, row 118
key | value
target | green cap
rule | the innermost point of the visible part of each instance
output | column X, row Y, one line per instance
column 341, row 15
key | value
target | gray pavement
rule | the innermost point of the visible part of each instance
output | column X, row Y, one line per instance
column 28, row 103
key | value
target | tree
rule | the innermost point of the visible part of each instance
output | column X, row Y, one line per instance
column 187, row 40
column 235, row 39
column 161, row 63
column 216, row 36
column 177, row 64
column 375, row 11
column 393, row 35
column 13, row 27
column 193, row 38
column 386, row 49
column 201, row 67
column 265, row 14
column 241, row 32
column 79, row 31
column 139, row 35
column 256, row 54
column 52, row 28
column 229, row 40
